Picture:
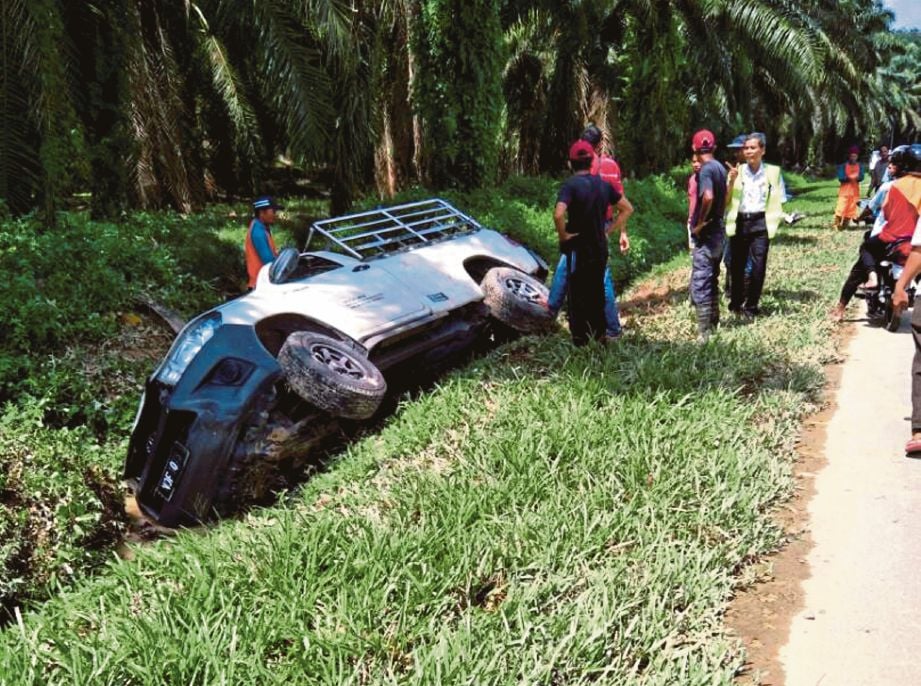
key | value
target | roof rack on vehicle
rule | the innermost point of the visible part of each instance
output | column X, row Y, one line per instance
column 389, row 229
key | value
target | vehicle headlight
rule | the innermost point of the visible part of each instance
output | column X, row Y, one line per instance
column 186, row 347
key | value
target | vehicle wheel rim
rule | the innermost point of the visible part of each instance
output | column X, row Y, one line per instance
column 522, row 290
column 339, row 362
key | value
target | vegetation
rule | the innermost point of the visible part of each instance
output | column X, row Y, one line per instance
column 175, row 104
column 77, row 294
column 523, row 521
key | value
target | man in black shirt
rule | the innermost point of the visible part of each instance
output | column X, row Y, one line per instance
column 707, row 234
column 579, row 216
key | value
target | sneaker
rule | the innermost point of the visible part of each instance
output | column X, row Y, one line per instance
column 611, row 336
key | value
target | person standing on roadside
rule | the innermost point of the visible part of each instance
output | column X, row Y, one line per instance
column 258, row 246
column 608, row 169
column 707, row 234
column 903, row 207
column 692, row 196
column 850, row 174
column 603, row 165
column 734, row 160
column 880, row 172
column 755, row 211
column 580, row 221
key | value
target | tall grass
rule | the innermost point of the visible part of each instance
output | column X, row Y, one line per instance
column 547, row 515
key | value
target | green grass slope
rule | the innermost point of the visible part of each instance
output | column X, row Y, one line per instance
column 75, row 349
column 544, row 516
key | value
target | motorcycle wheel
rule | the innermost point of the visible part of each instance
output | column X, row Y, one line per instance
column 892, row 319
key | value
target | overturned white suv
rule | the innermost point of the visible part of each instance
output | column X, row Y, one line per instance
column 249, row 388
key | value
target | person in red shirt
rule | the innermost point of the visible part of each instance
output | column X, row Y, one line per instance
column 692, row 196
column 603, row 165
column 903, row 207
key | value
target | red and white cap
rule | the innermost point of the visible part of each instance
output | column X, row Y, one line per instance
column 703, row 141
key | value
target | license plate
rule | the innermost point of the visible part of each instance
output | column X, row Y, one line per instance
column 175, row 463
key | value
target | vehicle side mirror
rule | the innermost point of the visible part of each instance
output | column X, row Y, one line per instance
column 283, row 265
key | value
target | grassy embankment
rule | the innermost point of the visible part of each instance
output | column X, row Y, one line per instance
column 546, row 515
column 75, row 348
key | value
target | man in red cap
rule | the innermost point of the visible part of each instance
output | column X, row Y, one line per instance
column 707, row 234
column 581, row 208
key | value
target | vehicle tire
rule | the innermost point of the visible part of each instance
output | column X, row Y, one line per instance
column 269, row 456
column 516, row 299
column 332, row 374
column 892, row 320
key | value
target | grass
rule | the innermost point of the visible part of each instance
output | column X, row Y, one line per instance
column 546, row 515
column 66, row 411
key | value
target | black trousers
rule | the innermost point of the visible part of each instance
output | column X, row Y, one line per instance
column 586, row 297
column 872, row 251
column 750, row 244
column 705, row 269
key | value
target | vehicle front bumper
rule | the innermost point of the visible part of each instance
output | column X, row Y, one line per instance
column 184, row 435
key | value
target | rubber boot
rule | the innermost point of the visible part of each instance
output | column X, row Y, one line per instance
column 704, row 322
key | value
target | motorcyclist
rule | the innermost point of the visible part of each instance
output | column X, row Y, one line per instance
column 904, row 205
column 895, row 233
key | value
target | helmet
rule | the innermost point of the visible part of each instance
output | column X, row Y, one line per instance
column 906, row 157
column 592, row 135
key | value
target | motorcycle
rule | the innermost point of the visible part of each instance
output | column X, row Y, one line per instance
column 879, row 300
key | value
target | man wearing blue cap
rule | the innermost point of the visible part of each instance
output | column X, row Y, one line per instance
column 259, row 247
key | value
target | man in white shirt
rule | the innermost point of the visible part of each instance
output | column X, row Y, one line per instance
column 755, row 210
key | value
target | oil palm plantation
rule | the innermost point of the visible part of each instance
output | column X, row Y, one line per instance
column 173, row 103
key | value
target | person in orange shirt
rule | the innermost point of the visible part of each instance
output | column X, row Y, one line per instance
column 850, row 174
column 903, row 207
column 259, row 247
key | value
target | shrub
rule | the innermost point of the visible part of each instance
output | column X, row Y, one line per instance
column 60, row 503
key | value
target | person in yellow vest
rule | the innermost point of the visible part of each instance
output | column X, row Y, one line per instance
column 755, row 210
column 258, row 246
column 850, row 174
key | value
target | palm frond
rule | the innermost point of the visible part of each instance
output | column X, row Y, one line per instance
column 229, row 88
column 293, row 78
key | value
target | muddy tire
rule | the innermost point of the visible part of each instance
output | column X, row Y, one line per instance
column 332, row 374
column 516, row 300
column 270, row 456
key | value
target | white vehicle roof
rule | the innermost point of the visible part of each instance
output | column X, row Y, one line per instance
column 388, row 270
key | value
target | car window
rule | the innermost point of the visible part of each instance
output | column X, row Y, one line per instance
column 311, row 265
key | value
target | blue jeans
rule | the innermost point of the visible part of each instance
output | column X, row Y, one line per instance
column 560, row 284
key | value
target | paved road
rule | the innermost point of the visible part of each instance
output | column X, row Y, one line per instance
column 861, row 624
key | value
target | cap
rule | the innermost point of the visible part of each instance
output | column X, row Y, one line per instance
column 737, row 142
column 592, row 135
column 703, row 141
column 581, row 150
column 853, row 150
column 264, row 202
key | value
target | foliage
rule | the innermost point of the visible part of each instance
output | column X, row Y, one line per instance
column 149, row 105
column 544, row 515
column 59, row 504
column 69, row 284
column 458, row 47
